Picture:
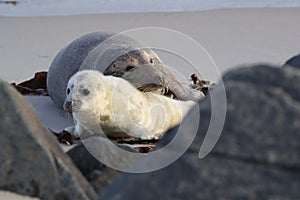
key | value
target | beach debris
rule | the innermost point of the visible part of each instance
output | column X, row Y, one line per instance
column 138, row 145
column 66, row 138
column 14, row 3
column 201, row 85
column 145, row 149
column 34, row 86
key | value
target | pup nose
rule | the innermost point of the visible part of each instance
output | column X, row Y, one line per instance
column 68, row 106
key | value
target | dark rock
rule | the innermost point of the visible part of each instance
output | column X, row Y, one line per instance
column 256, row 157
column 100, row 179
column 293, row 62
column 98, row 174
column 31, row 161
column 263, row 106
column 84, row 161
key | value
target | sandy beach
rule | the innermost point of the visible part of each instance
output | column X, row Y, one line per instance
column 232, row 37
column 5, row 195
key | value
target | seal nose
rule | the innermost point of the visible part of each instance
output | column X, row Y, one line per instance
column 68, row 106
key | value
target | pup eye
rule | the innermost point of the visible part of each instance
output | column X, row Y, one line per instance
column 151, row 60
column 68, row 91
column 129, row 68
column 85, row 92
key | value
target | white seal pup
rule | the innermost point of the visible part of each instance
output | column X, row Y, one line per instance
column 112, row 105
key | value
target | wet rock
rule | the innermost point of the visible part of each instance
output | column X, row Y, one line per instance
column 256, row 157
column 31, row 162
column 293, row 62
column 98, row 175
column 263, row 111
column 84, row 161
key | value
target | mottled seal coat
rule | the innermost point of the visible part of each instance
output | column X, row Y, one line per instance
column 113, row 105
column 117, row 55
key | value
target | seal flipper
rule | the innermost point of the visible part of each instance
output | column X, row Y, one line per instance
column 159, row 75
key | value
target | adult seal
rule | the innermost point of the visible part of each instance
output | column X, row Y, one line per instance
column 117, row 55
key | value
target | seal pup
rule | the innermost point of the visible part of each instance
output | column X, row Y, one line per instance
column 112, row 105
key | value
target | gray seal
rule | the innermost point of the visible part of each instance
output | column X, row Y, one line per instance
column 117, row 55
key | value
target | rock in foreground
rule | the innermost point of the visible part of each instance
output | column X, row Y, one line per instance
column 256, row 157
column 98, row 175
column 31, row 162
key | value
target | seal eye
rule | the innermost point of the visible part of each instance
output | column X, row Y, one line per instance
column 68, row 91
column 85, row 92
column 129, row 68
column 151, row 60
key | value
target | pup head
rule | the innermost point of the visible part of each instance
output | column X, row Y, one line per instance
column 82, row 90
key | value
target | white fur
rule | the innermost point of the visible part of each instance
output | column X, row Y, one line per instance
column 116, row 107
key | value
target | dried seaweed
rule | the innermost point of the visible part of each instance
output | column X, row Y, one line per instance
column 35, row 86
column 14, row 3
column 66, row 138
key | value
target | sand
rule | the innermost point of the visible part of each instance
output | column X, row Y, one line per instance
column 232, row 37
column 6, row 195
